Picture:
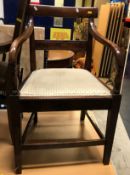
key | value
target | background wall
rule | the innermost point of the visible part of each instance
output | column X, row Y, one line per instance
column 78, row 3
column 10, row 10
column 59, row 3
column 10, row 7
column 99, row 2
column 1, row 10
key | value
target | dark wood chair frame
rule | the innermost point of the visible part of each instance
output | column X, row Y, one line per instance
column 17, row 105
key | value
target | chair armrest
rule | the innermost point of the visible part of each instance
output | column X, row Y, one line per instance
column 17, row 43
column 13, row 66
column 120, row 60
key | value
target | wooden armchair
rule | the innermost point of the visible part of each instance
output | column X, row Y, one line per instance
column 61, row 89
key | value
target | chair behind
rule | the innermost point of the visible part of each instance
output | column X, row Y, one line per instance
column 5, row 43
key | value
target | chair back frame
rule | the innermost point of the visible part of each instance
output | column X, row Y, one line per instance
column 82, row 12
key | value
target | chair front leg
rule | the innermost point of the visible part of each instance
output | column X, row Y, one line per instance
column 17, row 142
column 15, row 118
column 110, row 128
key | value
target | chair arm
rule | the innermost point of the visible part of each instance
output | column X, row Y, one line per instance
column 115, row 50
column 13, row 67
column 17, row 43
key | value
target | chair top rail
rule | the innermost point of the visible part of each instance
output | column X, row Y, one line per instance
column 68, row 12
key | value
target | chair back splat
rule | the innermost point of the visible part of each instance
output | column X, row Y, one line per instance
column 60, row 87
column 65, row 12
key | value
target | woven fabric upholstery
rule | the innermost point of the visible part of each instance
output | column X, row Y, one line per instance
column 62, row 82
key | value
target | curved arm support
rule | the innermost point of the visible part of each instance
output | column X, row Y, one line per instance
column 17, row 43
column 12, row 74
column 115, row 50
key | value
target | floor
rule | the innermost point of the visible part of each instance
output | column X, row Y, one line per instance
column 74, row 161
column 121, row 147
column 67, row 161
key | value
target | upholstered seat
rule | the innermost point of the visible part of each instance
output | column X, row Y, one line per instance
column 62, row 82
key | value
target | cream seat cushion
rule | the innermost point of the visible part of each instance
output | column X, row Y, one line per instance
column 60, row 83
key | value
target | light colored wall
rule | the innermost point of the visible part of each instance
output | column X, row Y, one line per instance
column 78, row 3
column 99, row 2
column 1, row 10
column 59, row 3
column 88, row 2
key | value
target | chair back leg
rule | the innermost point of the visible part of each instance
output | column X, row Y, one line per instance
column 82, row 115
